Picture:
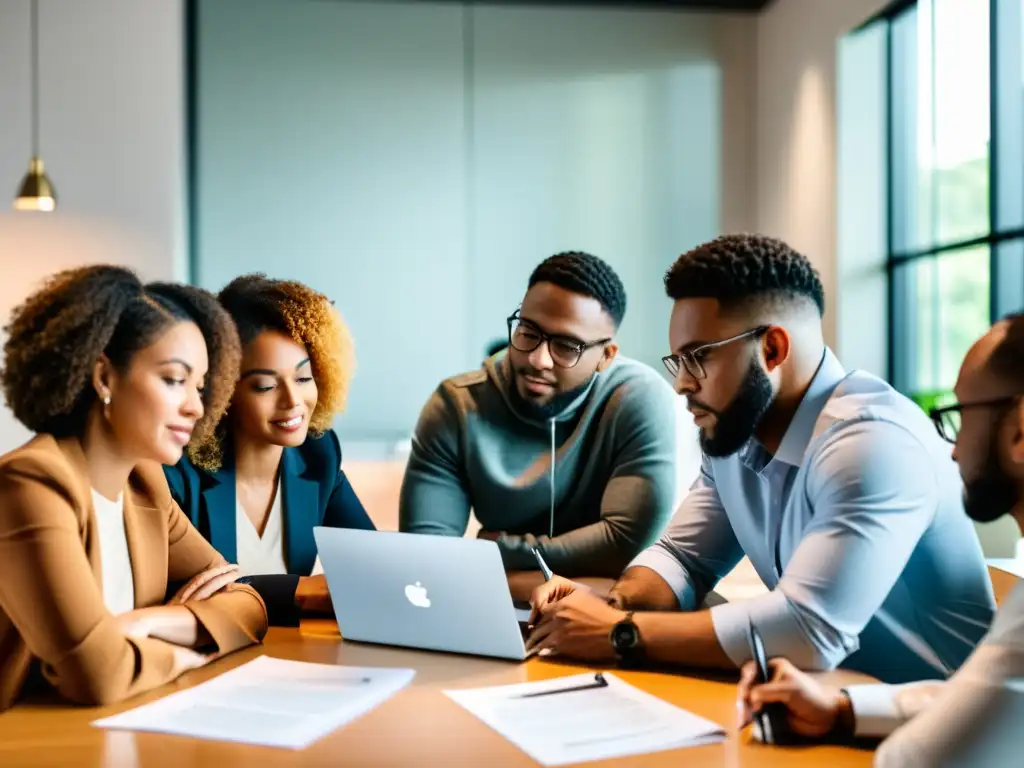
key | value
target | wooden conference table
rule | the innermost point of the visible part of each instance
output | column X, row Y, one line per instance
column 418, row 727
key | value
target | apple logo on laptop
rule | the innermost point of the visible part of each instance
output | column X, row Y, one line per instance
column 417, row 595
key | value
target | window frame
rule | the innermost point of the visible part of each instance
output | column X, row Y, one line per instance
column 1005, row 242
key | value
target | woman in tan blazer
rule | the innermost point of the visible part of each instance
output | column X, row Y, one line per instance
column 110, row 374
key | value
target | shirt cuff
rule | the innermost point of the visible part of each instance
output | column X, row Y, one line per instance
column 770, row 615
column 874, row 710
column 666, row 566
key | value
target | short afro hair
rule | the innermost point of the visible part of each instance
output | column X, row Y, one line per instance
column 257, row 303
column 736, row 269
column 56, row 336
column 1007, row 359
column 587, row 275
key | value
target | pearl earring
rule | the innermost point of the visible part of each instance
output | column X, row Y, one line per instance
column 106, row 400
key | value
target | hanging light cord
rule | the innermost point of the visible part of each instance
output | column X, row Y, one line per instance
column 35, row 78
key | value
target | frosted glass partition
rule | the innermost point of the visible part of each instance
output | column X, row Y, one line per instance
column 416, row 160
column 332, row 150
column 596, row 131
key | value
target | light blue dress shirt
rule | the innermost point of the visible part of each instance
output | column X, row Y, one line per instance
column 857, row 527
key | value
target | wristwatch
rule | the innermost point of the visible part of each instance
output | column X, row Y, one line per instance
column 845, row 728
column 626, row 642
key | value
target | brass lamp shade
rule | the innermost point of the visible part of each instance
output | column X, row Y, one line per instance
column 36, row 193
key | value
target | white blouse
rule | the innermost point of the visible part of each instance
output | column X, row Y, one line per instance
column 116, row 565
column 263, row 555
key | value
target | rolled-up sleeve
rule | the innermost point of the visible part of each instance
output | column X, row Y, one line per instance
column 698, row 548
column 873, row 490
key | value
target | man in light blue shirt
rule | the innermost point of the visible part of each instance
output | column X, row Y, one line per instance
column 974, row 718
column 835, row 486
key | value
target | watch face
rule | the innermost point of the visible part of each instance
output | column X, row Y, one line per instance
column 624, row 635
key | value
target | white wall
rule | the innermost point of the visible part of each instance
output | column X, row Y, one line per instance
column 600, row 130
column 820, row 152
column 332, row 151
column 111, row 86
column 112, row 136
column 796, row 128
column 416, row 161
column 861, row 307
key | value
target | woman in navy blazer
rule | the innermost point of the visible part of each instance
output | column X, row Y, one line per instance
column 271, row 471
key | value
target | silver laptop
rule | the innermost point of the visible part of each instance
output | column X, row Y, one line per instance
column 440, row 593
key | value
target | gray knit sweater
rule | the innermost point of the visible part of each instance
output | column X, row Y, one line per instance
column 612, row 452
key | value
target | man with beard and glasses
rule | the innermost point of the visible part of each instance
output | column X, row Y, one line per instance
column 975, row 718
column 560, row 443
column 833, row 484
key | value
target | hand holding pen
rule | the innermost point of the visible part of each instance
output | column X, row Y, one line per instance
column 552, row 590
column 547, row 572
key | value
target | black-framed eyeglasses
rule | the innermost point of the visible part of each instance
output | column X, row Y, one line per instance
column 692, row 360
column 947, row 419
column 565, row 351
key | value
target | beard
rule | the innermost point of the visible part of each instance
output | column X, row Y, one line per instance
column 735, row 425
column 552, row 407
column 993, row 493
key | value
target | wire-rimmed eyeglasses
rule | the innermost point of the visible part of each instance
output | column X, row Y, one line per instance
column 692, row 359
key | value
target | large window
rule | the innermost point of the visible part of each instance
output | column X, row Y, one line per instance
column 956, row 182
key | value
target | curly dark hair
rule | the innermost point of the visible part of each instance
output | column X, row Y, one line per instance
column 738, row 268
column 56, row 336
column 585, row 274
column 257, row 303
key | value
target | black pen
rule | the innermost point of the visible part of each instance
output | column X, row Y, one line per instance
column 547, row 572
column 770, row 719
column 599, row 682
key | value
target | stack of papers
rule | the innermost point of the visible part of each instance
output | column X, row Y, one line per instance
column 270, row 702
column 585, row 717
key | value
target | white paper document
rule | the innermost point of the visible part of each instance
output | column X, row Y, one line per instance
column 270, row 702
column 585, row 717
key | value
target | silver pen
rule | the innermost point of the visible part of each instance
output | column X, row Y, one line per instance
column 547, row 572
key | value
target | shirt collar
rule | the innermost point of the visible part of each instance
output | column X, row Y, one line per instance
column 801, row 428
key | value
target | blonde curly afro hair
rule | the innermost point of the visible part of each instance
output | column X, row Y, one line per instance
column 78, row 315
column 257, row 303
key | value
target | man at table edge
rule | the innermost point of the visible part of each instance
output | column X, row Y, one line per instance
column 970, row 719
column 835, row 486
column 558, row 444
